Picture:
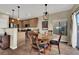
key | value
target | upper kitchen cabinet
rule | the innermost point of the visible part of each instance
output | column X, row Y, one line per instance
column 33, row 22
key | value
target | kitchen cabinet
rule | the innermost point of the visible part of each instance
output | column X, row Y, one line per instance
column 34, row 22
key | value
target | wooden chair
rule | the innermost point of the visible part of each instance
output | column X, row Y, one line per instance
column 53, row 42
column 33, row 40
column 26, row 36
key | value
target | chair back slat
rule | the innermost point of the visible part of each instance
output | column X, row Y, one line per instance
column 59, row 38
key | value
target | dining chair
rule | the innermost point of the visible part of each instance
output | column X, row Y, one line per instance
column 28, row 40
column 54, row 42
column 33, row 38
column 35, row 43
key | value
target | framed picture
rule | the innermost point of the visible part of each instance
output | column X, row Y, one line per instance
column 45, row 25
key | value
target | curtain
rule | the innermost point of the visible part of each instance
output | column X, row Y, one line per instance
column 74, row 31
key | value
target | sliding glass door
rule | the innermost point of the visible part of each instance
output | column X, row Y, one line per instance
column 77, row 21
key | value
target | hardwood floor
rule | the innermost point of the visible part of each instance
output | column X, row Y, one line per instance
column 23, row 49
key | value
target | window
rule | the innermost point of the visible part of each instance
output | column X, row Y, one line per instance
column 77, row 16
column 60, row 27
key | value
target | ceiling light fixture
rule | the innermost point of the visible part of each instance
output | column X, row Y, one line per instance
column 45, row 16
column 13, row 15
column 18, row 12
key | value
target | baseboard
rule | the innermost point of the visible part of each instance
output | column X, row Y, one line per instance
column 64, row 42
column 13, row 47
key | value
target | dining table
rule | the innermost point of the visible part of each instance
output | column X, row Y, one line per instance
column 44, row 41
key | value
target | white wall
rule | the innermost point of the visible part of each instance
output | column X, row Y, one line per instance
column 4, row 21
column 61, row 16
column 13, row 37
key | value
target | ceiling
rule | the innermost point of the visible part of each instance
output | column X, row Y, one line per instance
column 33, row 10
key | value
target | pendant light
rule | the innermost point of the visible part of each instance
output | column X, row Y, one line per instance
column 13, row 15
column 18, row 12
column 45, row 16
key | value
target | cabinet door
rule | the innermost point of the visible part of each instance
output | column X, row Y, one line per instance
column 34, row 22
column 25, row 23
